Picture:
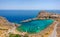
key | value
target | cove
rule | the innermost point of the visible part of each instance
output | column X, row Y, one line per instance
column 35, row 26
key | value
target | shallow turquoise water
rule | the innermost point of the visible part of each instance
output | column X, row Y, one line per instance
column 35, row 26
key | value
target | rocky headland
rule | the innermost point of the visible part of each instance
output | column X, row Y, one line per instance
column 51, row 15
column 48, row 15
column 6, row 27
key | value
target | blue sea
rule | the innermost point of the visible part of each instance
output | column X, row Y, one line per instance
column 19, row 15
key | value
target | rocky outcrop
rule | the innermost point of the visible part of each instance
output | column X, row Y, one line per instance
column 44, row 14
column 48, row 15
column 4, row 23
column 6, row 27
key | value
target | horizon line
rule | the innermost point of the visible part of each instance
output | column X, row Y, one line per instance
column 29, row 9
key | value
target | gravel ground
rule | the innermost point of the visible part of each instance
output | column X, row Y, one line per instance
column 54, row 33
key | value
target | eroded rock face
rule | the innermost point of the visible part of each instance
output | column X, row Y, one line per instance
column 2, row 19
column 6, row 27
column 42, row 14
column 4, row 23
column 47, row 15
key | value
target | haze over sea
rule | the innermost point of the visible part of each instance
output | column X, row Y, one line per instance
column 19, row 15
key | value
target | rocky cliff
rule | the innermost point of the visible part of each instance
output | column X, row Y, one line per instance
column 4, row 23
column 48, row 15
column 6, row 27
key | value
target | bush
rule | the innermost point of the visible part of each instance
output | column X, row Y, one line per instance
column 15, row 35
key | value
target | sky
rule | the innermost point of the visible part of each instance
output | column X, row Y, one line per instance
column 29, row 4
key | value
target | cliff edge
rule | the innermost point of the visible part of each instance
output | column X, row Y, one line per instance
column 48, row 15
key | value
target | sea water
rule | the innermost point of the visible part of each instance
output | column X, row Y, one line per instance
column 20, row 15
column 34, row 26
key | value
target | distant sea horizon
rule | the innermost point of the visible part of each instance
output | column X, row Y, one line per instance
column 20, row 15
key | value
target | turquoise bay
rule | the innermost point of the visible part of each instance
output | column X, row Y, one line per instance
column 35, row 26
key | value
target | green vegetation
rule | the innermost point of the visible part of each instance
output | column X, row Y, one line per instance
column 26, row 35
column 15, row 35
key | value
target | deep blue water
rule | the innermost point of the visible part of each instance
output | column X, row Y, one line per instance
column 19, row 15
column 35, row 26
